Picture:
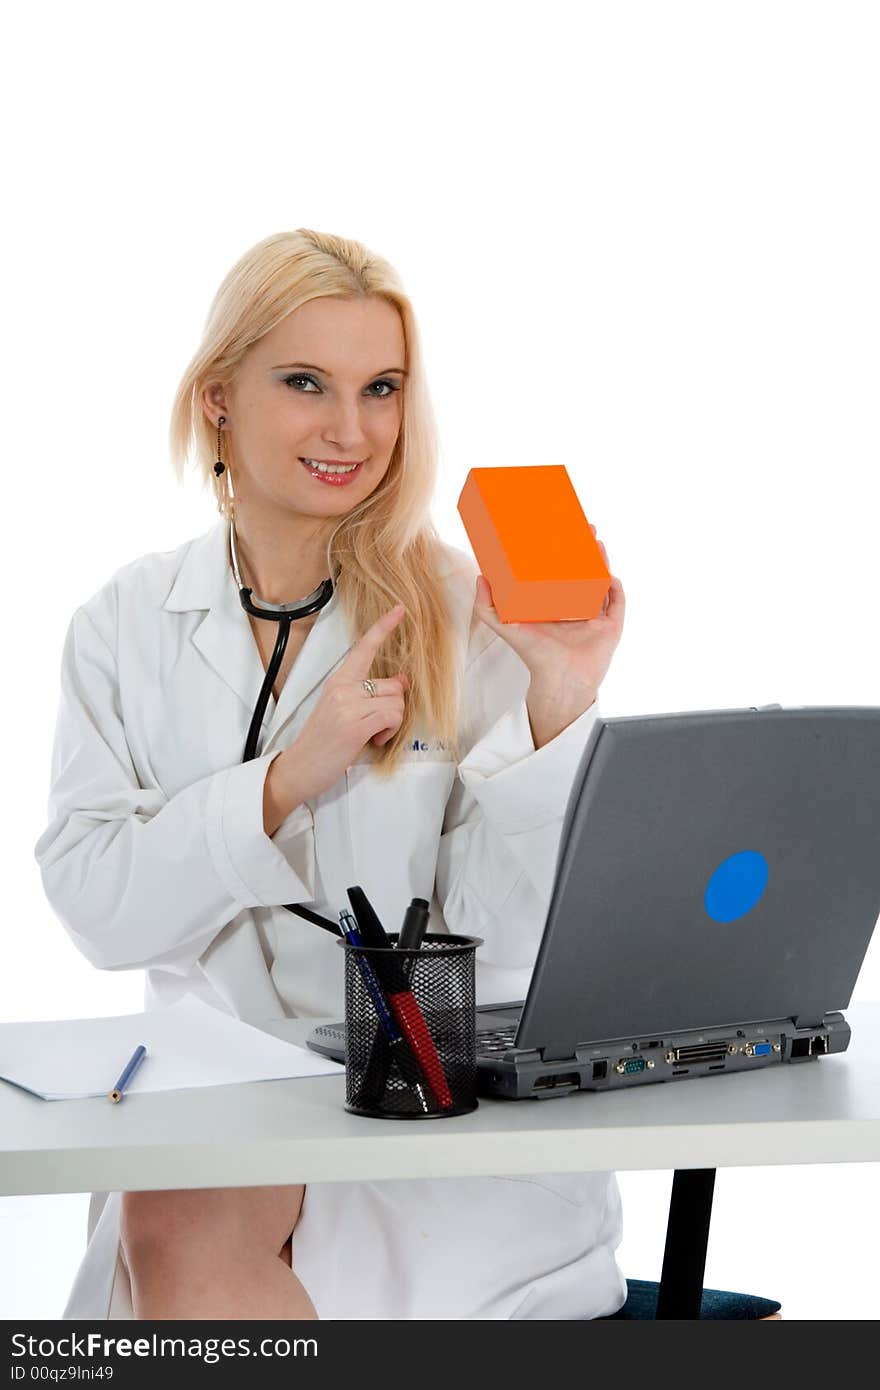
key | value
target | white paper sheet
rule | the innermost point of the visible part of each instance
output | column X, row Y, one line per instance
column 189, row 1044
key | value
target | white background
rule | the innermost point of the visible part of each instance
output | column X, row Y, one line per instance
column 641, row 240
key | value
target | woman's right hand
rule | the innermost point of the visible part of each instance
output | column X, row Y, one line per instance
column 346, row 717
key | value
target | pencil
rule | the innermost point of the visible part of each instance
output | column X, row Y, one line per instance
column 133, row 1063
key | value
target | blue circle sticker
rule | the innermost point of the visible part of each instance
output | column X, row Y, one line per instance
column 736, row 885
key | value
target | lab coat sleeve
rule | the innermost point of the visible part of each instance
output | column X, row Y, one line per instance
column 138, row 878
column 503, row 820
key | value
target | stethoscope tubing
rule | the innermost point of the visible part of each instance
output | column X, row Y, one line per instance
column 283, row 619
column 250, row 747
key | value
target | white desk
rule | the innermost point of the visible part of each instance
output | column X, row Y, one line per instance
column 824, row 1110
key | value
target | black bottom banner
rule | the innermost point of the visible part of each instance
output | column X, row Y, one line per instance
column 196, row 1353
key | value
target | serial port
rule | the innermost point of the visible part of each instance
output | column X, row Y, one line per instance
column 628, row 1066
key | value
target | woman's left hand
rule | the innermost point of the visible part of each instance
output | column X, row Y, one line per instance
column 567, row 660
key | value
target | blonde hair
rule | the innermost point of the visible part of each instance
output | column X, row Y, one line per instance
column 387, row 547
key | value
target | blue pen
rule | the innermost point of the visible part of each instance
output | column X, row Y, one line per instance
column 353, row 937
column 134, row 1062
column 408, row 1064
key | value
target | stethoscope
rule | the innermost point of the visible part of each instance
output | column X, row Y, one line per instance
column 283, row 614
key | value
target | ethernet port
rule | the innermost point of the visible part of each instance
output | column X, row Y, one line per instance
column 819, row 1045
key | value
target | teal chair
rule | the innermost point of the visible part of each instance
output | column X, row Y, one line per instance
column 680, row 1293
column 641, row 1302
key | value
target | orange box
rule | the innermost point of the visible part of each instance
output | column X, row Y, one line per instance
column 533, row 543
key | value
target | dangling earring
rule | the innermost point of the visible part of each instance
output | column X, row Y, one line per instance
column 219, row 465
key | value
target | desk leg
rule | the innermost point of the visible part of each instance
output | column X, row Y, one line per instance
column 687, row 1235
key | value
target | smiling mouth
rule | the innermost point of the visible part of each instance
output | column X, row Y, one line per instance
column 334, row 463
column 332, row 473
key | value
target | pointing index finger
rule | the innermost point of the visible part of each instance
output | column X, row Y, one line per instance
column 362, row 654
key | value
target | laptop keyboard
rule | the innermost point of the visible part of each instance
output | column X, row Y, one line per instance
column 496, row 1039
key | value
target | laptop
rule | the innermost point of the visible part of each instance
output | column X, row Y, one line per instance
column 717, row 884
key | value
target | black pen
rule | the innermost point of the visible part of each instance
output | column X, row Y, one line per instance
column 415, row 924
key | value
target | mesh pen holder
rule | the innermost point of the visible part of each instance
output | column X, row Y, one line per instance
column 410, row 1028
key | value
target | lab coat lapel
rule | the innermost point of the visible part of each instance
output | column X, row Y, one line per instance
column 223, row 637
column 226, row 641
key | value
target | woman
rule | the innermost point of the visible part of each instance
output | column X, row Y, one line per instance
column 166, row 852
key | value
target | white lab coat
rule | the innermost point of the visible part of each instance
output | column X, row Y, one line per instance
column 155, row 858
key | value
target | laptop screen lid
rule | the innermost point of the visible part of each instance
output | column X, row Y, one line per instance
column 714, row 868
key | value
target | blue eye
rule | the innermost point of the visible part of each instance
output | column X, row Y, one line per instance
column 300, row 376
